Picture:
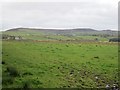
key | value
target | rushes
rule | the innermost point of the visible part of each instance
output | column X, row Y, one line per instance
column 12, row 71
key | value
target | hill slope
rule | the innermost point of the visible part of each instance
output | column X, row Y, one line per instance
column 62, row 34
column 77, row 31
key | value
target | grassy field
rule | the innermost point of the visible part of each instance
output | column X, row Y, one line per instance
column 59, row 64
column 37, row 35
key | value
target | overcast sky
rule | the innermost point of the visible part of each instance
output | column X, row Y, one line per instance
column 96, row 14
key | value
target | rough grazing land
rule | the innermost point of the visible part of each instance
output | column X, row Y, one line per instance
column 55, row 65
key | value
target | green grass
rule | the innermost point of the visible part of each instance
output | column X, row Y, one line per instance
column 55, row 65
column 37, row 35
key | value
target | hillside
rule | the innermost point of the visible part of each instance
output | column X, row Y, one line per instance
column 76, row 31
column 76, row 34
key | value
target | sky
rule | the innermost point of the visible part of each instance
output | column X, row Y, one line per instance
column 96, row 14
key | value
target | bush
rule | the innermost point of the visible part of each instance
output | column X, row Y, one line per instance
column 114, row 40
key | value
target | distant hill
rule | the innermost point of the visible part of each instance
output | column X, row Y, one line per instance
column 76, row 31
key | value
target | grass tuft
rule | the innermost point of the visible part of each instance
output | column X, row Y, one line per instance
column 13, row 71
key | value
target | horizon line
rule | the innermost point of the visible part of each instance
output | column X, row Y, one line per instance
column 60, row 28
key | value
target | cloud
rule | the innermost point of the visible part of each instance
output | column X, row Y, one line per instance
column 96, row 14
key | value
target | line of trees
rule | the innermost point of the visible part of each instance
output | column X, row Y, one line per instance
column 114, row 40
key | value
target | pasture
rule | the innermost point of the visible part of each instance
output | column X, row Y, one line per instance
column 59, row 64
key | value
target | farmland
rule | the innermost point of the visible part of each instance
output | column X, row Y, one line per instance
column 52, row 60
column 60, row 65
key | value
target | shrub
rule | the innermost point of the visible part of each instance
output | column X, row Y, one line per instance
column 114, row 40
